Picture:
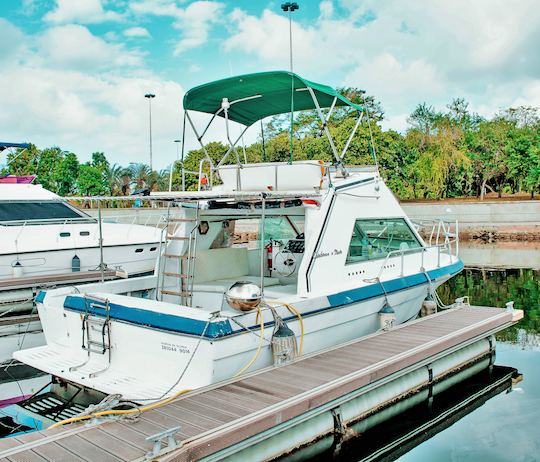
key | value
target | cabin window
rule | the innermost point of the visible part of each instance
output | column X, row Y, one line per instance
column 376, row 238
column 33, row 211
column 65, row 234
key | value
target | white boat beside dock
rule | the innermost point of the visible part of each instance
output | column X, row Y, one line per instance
column 336, row 259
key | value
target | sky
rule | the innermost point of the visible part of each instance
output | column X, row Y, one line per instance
column 75, row 72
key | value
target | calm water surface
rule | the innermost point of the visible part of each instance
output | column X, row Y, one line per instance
column 507, row 427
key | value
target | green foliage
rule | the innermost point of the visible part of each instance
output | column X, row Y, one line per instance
column 90, row 181
column 442, row 154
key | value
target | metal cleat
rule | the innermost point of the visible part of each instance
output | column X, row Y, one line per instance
column 157, row 440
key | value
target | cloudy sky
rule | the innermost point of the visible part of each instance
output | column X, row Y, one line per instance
column 74, row 72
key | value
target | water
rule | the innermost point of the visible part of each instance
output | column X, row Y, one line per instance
column 505, row 428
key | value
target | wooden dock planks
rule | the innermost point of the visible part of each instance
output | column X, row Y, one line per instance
column 221, row 415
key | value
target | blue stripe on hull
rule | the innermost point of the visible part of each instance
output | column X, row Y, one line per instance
column 220, row 329
column 394, row 285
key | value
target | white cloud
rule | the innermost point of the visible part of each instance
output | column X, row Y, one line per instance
column 194, row 21
column 405, row 53
column 75, row 47
column 80, row 11
column 71, row 89
column 137, row 32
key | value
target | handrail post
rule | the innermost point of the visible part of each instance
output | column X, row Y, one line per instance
column 438, row 256
column 402, row 261
column 101, row 268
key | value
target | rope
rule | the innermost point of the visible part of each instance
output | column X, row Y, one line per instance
column 259, row 346
column 142, row 409
column 120, row 411
column 293, row 311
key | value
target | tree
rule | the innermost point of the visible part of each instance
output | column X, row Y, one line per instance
column 99, row 160
column 90, row 181
column 66, row 174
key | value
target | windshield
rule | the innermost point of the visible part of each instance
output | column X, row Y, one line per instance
column 38, row 211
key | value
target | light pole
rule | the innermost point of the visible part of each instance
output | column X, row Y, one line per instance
column 150, row 96
column 290, row 7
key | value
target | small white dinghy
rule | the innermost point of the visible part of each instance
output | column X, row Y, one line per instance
column 335, row 258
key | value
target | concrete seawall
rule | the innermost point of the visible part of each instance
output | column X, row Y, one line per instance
column 487, row 220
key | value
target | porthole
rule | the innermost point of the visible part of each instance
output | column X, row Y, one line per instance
column 153, row 249
column 65, row 234
column 84, row 233
column 138, row 250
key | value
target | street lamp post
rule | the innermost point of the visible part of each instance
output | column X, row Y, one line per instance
column 290, row 7
column 150, row 96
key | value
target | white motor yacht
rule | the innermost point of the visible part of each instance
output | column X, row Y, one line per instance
column 43, row 235
column 335, row 258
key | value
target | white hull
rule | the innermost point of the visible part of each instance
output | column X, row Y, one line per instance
column 127, row 257
column 213, row 359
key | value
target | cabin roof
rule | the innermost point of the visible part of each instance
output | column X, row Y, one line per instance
column 256, row 96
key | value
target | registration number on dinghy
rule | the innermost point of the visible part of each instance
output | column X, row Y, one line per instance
column 175, row 347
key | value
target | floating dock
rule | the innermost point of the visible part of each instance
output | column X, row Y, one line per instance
column 272, row 412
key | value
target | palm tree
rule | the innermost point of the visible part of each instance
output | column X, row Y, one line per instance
column 162, row 182
column 114, row 174
column 141, row 175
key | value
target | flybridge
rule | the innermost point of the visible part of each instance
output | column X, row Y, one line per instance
column 249, row 98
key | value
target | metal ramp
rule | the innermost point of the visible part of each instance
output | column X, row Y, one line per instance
column 52, row 406
column 180, row 257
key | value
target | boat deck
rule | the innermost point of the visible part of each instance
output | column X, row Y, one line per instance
column 224, row 414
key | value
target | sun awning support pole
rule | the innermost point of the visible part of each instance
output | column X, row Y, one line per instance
column 359, row 120
column 328, row 135
column 372, row 140
column 326, row 120
column 224, row 158
column 225, row 105
column 199, row 139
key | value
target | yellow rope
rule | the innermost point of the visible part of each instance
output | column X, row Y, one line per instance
column 120, row 411
column 259, row 347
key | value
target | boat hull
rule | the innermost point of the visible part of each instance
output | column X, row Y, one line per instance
column 147, row 363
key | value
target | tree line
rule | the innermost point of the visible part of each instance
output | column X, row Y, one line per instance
column 442, row 154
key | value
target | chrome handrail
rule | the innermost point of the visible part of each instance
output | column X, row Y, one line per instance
column 449, row 239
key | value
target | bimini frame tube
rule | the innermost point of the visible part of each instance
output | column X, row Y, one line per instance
column 199, row 139
column 224, row 158
column 360, row 117
column 328, row 135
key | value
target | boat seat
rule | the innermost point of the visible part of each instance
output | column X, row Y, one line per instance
column 218, row 269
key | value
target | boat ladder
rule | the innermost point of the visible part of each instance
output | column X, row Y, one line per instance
column 96, row 331
column 182, row 262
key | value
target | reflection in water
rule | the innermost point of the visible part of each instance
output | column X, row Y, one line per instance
column 500, row 255
column 396, row 436
column 495, row 288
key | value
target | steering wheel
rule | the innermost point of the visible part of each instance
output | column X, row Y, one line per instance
column 285, row 263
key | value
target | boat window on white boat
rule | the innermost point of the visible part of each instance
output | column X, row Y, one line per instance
column 283, row 228
column 376, row 238
column 15, row 211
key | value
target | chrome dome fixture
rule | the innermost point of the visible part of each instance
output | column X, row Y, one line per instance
column 244, row 296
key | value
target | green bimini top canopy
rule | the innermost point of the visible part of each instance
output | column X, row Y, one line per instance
column 256, row 96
